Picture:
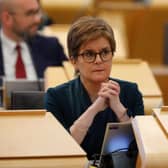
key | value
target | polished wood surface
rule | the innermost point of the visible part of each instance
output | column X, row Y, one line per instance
column 54, row 76
column 162, row 117
column 69, row 69
column 65, row 11
column 161, row 74
column 152, row 142
column 136, row 71
column 161, row 3
column 118, row 24
column 38, row 140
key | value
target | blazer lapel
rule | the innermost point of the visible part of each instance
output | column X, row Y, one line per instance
column 1, row 61
column 33, row 53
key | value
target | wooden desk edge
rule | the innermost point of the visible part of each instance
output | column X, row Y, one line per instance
column 141, row 155
column 23, row 112
column 158, row 115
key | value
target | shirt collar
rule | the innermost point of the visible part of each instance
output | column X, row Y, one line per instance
column 7, row 41
column 10, row 43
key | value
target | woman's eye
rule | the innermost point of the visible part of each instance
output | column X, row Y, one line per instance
column 90, row 54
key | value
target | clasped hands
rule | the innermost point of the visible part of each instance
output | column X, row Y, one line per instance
column 108, row 96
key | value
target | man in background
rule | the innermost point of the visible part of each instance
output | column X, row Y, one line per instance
column 20, row 20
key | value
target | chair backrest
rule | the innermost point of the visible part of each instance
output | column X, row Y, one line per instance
column 27, row 100
column 10, row 86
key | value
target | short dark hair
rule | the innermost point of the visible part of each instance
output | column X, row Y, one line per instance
column 88, row 28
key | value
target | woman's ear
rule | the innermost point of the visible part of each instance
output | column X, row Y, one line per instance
column 73, row 60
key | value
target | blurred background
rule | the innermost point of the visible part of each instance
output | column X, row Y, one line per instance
column 140, row 26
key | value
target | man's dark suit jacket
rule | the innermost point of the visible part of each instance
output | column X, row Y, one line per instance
column 45, row 51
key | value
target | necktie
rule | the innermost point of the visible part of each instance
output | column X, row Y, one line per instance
column 19, row 67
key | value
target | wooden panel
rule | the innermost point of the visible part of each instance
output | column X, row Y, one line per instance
column 146, row 38
column 162, row 118
column 161, row 75
column 159, row 3
column 69, row 69
column 138, row 72
column 43, row 129
column 144, row 25
column 38, row 140
column 54, row 76
column 67, row 162
column 152, row 102
column 117, row 22
column 152, row 142
column 65, row 11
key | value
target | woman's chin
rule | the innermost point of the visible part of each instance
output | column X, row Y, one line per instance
column 100, row 79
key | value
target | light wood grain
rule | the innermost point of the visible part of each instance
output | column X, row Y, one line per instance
column 152, row 142
column 37, row 141
column 162, row 118
column 54, row 76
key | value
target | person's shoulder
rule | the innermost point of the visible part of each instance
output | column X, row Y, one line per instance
column 63, row 87
column 126, row 84
column 41, row 37
column 123, row 82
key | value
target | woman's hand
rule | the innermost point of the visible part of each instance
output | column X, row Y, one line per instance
column 110, row 91
column 100, row 104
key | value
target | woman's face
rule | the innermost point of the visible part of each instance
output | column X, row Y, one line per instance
column 98, row 70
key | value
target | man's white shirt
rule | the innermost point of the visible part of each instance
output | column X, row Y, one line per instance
column 9, row 53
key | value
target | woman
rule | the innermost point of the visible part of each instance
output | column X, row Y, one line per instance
column 86, row 104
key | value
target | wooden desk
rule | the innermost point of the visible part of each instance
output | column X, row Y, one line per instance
column 33, row 139
column 65, row 11
column 152, row 141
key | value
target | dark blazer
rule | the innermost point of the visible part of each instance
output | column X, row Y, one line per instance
column 45, row 51
column 68, row 101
